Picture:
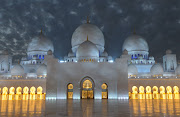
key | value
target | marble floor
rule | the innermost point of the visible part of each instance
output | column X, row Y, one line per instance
column 90, row 108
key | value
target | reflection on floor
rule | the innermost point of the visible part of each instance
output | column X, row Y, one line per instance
column 89, row 108
column 22, row 108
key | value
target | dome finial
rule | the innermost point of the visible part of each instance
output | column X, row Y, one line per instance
column 88, row 20
column 87, row 38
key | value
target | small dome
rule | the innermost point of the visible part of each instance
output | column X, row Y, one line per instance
column 168, row 51
column 49, row 52
column 17, row 70
column 110, row 58
column 40, row 43
column 177, row 70
column 132, row 69
column 157, row 69
column 151, row 58
column 70, row 54
column 135, row 43
column 95, row 36
column 42, row 70
column 87, row 50
column 104, row 54
column 125, row 52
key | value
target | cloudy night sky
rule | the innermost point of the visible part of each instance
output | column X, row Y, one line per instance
column 158, row 21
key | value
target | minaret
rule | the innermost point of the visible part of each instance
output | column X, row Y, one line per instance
column 88, row 20
column 87, row 38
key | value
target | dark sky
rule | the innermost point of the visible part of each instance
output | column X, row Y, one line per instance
column 158, row 21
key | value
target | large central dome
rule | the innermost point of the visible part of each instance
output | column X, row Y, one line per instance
column 87, row 50
column 40, row 43
column 94, row 33
column 135, row 43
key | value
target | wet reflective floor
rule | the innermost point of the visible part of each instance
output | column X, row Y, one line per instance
column 89, row 108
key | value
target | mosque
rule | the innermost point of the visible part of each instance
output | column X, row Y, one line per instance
column 88, row 71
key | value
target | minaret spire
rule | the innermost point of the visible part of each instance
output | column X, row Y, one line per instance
column 87, row 38
column 88, row 20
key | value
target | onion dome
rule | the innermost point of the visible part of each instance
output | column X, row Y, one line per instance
column 42, row 70
column 95, row 36
column 125, row 52
column 157, row 69
column 104, row 54
column 17, row 70
column 40, row 43
column 71, row 54
column 49, row 52
column 168, row 51
column 87, row 50
column 135, row 43
column 110, row 58
column 132, row 69
column 151, row 58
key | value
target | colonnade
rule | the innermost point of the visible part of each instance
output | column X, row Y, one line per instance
column 154, row 92
column 21, row 93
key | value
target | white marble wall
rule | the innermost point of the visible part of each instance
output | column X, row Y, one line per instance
column 59, row 75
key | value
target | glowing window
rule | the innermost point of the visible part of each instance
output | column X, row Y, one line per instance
column 87, row 84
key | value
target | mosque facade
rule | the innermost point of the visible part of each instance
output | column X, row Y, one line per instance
column 88, row 71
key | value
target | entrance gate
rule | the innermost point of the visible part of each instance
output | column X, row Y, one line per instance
column 87, row 90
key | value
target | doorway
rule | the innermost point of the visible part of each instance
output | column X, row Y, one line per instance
column 87, row 89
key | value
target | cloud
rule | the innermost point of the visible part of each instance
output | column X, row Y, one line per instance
column 73, row 13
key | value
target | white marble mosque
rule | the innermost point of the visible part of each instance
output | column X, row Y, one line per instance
column 88, row 71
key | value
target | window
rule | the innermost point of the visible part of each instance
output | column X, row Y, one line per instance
column 39, row 56
column 135, row 56
column 70, row 91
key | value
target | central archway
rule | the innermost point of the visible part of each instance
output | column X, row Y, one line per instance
column 87, row 88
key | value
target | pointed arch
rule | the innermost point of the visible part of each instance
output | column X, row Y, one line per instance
column 87, row 88
column 70, row 91
column 104, row 87
column 155, row 92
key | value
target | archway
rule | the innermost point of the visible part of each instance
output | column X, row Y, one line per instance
column 155, row 92
column 5, row 93
column 39, row 92
column 162, row 92
column 141, row 92
column 134, row 92
column 176, row 92
column 148, row 92
column 25, row 93
column 18, row 93
column 169, row 92
column 70, row 91
column 87, row 88
column 32, row 93
column 11, row 93
column 104, row 91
